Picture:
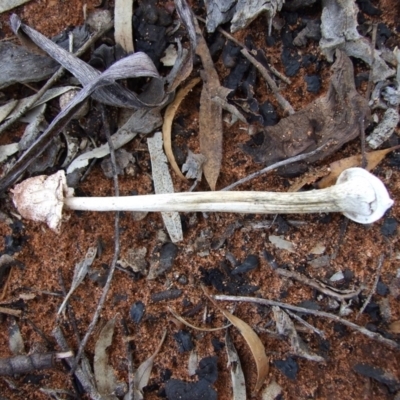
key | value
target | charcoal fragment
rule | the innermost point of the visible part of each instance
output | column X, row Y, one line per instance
column 382, row 289
column 230, row 54
column 389, row 226
column 313, row 83
column 269, row 114
column 251, row 262
column 201, row 390
column 288, row 367
column 290, row 60
column 379, row 375
column 136, row 312
column 167, row 256
column 217, row 345
column 208, row 369
column 368, row 8
column 166, row 295
column 184, row 340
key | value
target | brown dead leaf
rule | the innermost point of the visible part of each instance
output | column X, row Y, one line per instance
column 394, row 327
column 253, row 341
column 210, row 117
column 331, row 120
column 337, row 167
column 307, row 179
column 168, row 118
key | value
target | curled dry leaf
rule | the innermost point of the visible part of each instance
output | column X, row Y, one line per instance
column 142, row 374
column 6, row 5
column 167, row 125
column 331, row 120
column 104, row 373
column 197, row 328
column 337, row 167
column 253, row 341
column 81, row 270
column 285, row 327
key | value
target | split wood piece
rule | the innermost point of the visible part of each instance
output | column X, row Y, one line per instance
column 23, row 364
column 359, row 195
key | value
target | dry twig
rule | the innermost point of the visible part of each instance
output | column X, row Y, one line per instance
column 316, row 285
column 266, row 302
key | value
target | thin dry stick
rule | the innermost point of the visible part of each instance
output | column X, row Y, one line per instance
column 310, row 282
column 116, row 244
column 234, row 40
column 373, row 44
column 266, row 302
column 263, row 171
column 81, row 375
column 306, row 324
column 57, row 75
column 271, row 83
column 377, row 276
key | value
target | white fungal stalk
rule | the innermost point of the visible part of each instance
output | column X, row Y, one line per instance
column 359, row 195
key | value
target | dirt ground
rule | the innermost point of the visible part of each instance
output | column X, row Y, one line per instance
column 46, row 255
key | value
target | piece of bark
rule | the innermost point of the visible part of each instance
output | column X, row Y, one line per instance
column 330, row 120
column 23, row 364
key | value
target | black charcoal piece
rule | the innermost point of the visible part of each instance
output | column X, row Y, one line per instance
column 213, row 277
column 383, row 33
column 136, row 312
column 313, row 83
column 288, row 367
column 208, row 369
column 230, row 54
column 184, row 340
column 368, row 8
column 269, row 114
column 167, row 256
column 308, row 60
column 389, row 226
column 382, row 289
column 290, row 60
column 379, row 375
column 166, row 295
column 176, row 389
column 233, row 80
column 251, row 262
column 217, row 345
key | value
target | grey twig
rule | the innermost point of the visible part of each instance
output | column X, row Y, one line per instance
column 116, row 245
column 377, row 276
column 57, row 75
column 306, row 324
column 266, row 302
column 263, row 171
column 316, row 285
column 271, row 83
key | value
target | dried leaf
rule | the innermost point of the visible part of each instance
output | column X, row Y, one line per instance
column 141, row 121
column 285, row 327
column 272, row 391
column 103, row 371
column 281, row 243
column 192, row 362
column 193, row 166
column 319, row 123
column 6, row 5
column 81, row 269
column 384, row 129
column 248, row 10
column 339, row 30
column 8, row 150
column 12, row 108
column 34, row 129
column 237, row 376
column 394, row 327
column 197, row 328
column 253, row 341
column 142, row 374
column 123, row 32
column 15, row 341
column 136, row 65
column 163, row 184
column 168, row 119
column 218, row 12
column 337, row 167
